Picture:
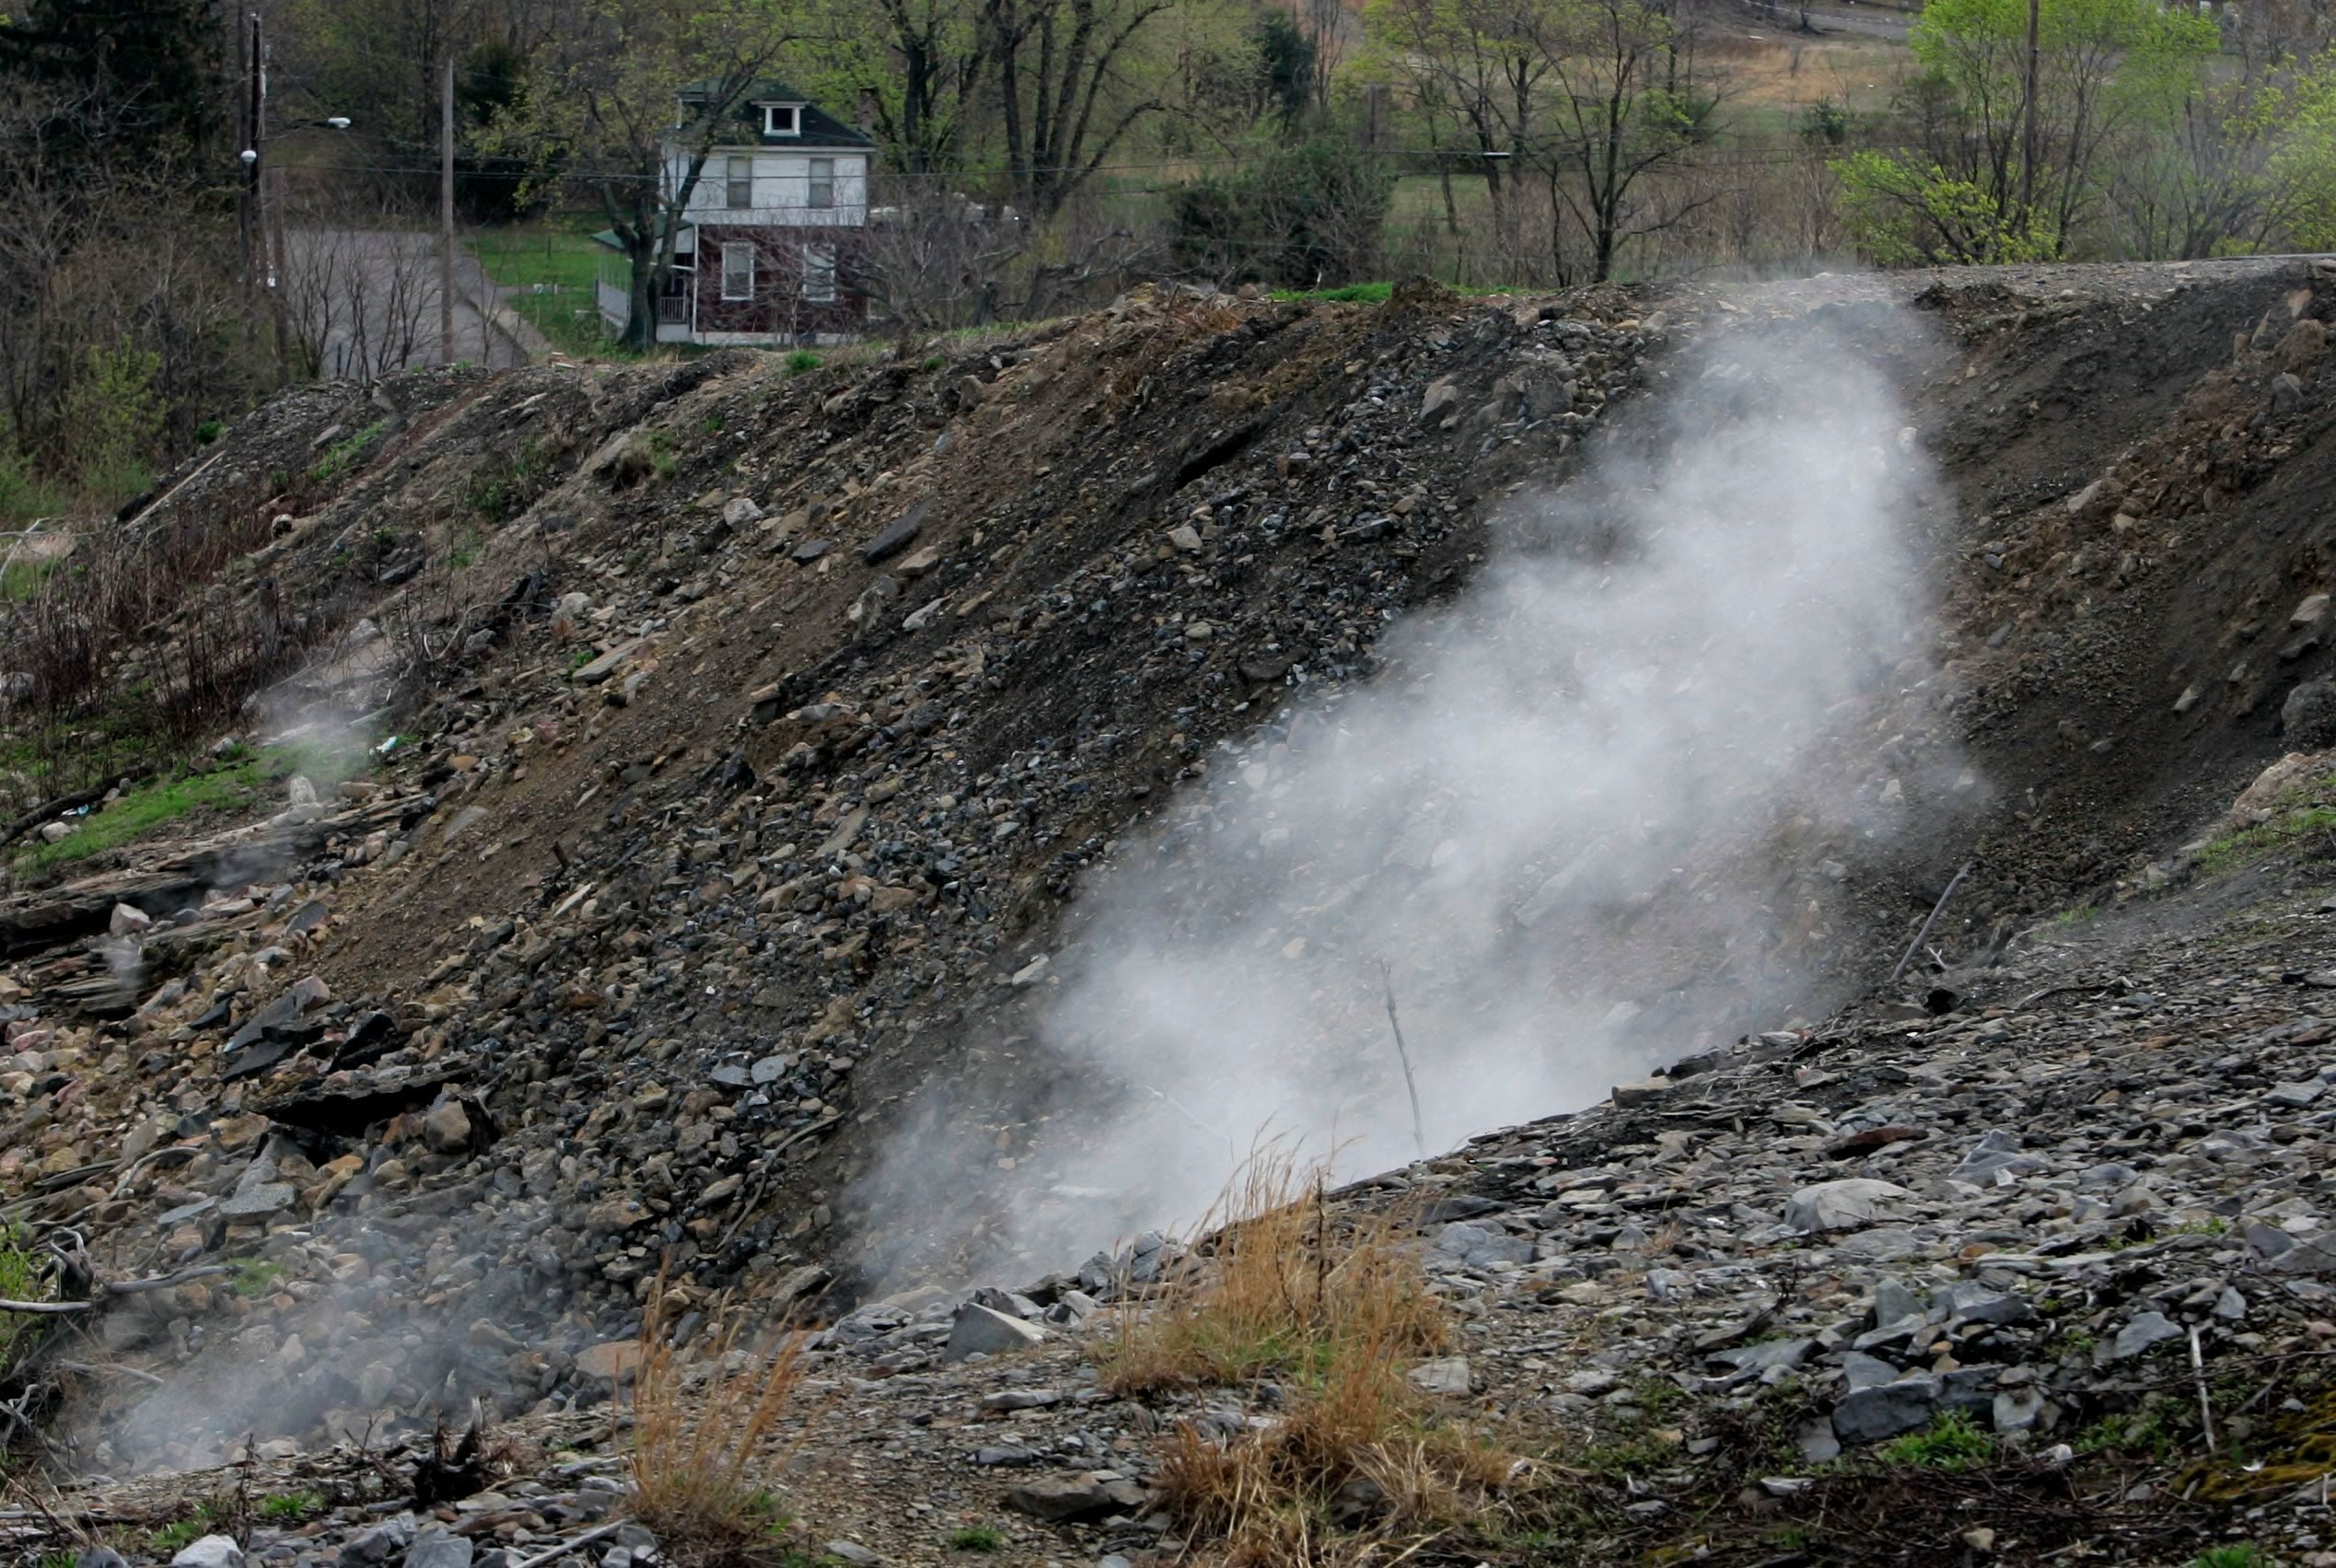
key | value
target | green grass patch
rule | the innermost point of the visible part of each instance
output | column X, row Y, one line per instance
column 1950, row 1443
column 19, row 1281
column 345, row 455
column 2137, row 1433
column 976, row 1538
column 178, row 1535
column 2245, row 1554
column 1350, row 294
column 801, row 362
column 291, row 1507
column 548, row 272
column 238, row 784
column 250, row 1277
column 2077, row 916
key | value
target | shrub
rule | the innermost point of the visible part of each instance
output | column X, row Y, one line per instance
column 1305, row 217
column 1338, row 1311
column 1949, row 1443
column 801, row 362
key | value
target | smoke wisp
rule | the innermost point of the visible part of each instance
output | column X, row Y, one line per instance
column 1588, row 814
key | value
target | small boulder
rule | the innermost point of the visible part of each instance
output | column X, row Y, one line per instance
column 211, row 1552
column 978, row 1330
column 1840, row 1205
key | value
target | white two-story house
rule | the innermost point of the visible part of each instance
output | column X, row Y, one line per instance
column 767, row 253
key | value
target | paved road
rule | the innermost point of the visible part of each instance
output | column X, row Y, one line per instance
column 366, row 302
column 1839, row 16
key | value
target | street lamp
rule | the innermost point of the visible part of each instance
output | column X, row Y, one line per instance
column 249, row 158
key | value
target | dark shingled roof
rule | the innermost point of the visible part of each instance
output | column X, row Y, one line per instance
column 819, row 128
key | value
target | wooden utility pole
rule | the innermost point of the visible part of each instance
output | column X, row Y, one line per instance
column 2027, row 122
column 446, row 218
column 248, row 142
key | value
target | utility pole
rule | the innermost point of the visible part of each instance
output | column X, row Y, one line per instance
column 2027, row 119
column 247, row 41
column 445, row 219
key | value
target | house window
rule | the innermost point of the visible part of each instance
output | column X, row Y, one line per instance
column 782, row 120
column 738, row 271
column 819, row 275
column 822, row 182
column 738, row 182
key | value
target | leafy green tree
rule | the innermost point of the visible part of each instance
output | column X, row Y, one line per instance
column 1285, row 56
column 2107, row 70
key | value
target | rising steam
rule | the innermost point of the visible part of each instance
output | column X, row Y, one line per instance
column 1587, row 818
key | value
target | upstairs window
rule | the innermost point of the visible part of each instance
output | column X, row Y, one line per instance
column 782, row 119
column 738, row 271
column 822, row 182
column 738, row 181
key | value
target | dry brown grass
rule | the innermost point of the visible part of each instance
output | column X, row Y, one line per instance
column 1276, row 1281
column 699, row 1427
column 1356, row 1465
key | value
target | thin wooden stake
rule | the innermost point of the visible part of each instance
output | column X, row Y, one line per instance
column 2205, row 1406
column 1419, row 1134
column 1915, row 944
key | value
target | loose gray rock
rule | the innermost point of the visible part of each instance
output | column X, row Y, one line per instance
column 1063, row 1499
column 2308, row 720
column 211, row 1552
column 1886, row 1409
column 438, row 1547
column 978, row 1330
column 1840, row 1205
column 380, row 1544
column 2145, row 1329
column 1442, row 1374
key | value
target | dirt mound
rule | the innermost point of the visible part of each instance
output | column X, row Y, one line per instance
column 759, row 731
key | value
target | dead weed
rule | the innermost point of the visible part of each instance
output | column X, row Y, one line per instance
column 1356, row 1465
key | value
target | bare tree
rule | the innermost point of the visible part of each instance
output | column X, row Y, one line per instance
column 361, row 287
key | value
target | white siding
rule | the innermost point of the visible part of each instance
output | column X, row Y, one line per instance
column 782, row 189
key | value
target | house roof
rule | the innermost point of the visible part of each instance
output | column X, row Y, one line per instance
column 819, row 128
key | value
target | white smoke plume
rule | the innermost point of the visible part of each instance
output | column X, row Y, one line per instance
column 1587, row 814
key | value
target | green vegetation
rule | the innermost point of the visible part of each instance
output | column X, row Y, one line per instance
column 504, row 489
column 2140, row 1434
column 251, row 1277
column 977, row 1537
column 801, row 362
column 2077, row 916
column 1950, row 1443
column 2295, row 823
column 550, row 270
column 210, row 430
column 346, row 453
column 2245, row 1554
column 178, row 1535
column 239, row 783
column 19, row 1281
column 291, row 1507
column 1351, row 294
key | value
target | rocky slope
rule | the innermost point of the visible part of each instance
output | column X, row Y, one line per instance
column 756, row 730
